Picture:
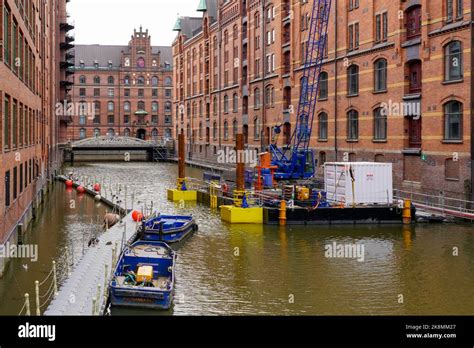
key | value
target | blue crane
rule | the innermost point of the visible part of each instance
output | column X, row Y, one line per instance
column 296, row 160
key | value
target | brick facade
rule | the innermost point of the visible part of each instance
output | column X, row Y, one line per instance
column 130, row 85
column 242, row 60
column 33, row 37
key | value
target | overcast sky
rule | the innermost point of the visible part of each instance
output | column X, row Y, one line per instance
column 112, row 21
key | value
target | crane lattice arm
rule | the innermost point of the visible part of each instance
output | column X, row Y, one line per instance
column 298, row 165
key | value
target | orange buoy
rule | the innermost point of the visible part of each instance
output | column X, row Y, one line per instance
column 69, row 183
column 81, row 189
column 137, row 216
column 97, row 187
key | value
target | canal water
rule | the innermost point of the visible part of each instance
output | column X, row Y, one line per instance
column 66, row 220
column 267, row 270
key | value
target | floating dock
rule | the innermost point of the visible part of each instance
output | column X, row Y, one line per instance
column 85, row 290
column 89, row 280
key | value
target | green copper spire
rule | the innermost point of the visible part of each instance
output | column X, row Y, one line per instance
column 177, row 25
column 202, row 6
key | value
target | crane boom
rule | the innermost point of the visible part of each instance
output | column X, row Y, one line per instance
column 300, row 164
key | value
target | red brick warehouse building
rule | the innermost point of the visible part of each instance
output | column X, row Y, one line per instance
column 129, row 88
column 237, row 68
column 35, row 40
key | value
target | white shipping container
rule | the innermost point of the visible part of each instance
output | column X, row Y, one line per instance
column 373, row 183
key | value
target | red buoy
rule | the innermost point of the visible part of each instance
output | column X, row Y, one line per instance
column 81, row 189
column 97, row 187
column 137, row 216
column 69, row 183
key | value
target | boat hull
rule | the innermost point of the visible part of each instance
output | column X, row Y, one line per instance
column 120, row 297
column 173, row 230
column 144, row 276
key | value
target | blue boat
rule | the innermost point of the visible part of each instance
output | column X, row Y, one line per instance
column 167, row 228
column 144, row 276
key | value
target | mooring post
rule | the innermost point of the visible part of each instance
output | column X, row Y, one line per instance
column 38, row 312
column 239, row 192
column 55, row 279
column 106, row 278
column 94, row 301
column 98, row 299
column 181, row 162
column 27, row 304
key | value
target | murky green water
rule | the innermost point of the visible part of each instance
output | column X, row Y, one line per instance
column 244, row 270
column 62, row 222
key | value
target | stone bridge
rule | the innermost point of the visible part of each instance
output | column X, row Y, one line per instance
column 115, row 149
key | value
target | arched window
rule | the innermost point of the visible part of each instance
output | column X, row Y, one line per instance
column 413, row 22
column 235, row 129
column 380, row 72
column 226, row 104
column 126, row 106
column 352, row 125
column 323, row 126
column 110, row 80
column 256, row 128
column 226, row 130
column 380, row 124
column 82, row 80
column 453, row 115
column 235, row 103
column 110, row 106
column 110, row 132
column 154, row 107
column 141, row 105
column 97, row 80
column 154, row 81
column 214, row 130
column 82, row 133
column 126, row 132
column 353, row 80
column 215, row 106
column 256, row 98
column 96, row 132
column 126, row 80
column 154, row 133
column 168, row 81
column 140, row 81
column 269, row 96
column 323, row 86
column 168, row 106
column 453, row 61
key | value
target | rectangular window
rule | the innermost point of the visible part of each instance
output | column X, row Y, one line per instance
column 7, row 189
column 154, row 92
column 385, row 26
column 449, row 10
column 26, row 174
column 110, row 119
column 82, row 92
column 6, row 36
column 96, row 92
column 378, row 28
column 126, row 92
column 110, row 92
column 15, row 125
column 21, row 177
column 459, row 9
column 15, row 183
